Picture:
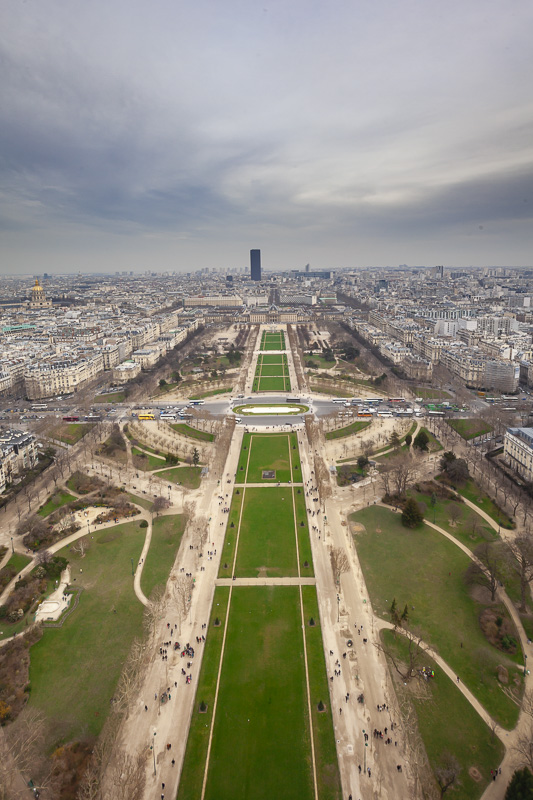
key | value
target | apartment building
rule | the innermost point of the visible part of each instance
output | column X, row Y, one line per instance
column 518, row 451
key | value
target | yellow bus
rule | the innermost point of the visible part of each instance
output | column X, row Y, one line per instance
column 146, row 416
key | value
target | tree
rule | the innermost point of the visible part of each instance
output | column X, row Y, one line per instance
column 395, row 440
column 421, row 440
column 457, row 470
column 407, row 666
column 402, row 468
column 362, row 462
column 522, row 549
column 339, row 562
column 454, row 512
column 408, row 440
column 447, row 772
column 159, row 504
column 521, row 785
column 487, row 569
column 195, row 457
column 446, row 459
column 81, row 546
column 162, row 383
column 412, row 517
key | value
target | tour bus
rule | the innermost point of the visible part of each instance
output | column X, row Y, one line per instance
column 396, row 399
column 197, row 402
column 71, row 419
column 167, row 415
column 385, row 414
column 436, row 413
column 374, row 400
column 342, row 400
column 39, row 407
column 146, row 415
column 364, row 413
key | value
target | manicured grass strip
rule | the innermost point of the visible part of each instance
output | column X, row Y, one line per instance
column 304, row 544
column 425, row 570
column 140, row 501
column 264, row 358
column 211, row 393
column 16, row 563
column 113, row 397
column 166, row 538
column 328, row 778
column 57, row 500
column 274, row 385
column 470, row 428
column 230, row 540
column 262, row 702
column 243, row 459
column 448, row 724
column 411, row 431
column 192, row 774
column 324, row 389
column 74, row 669
column 267, row 545
column 193, row 433
column 295, row 458
column 189, row 477
column 355, row 427
column 472, row 492
column 269, row 452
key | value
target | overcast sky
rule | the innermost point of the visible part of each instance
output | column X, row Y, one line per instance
column 179, row 134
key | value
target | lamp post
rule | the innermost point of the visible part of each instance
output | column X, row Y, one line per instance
column 338, row 607
column 152, row 747
column 12, row 546
column 525, row 665
column 169, row 488
column 132, row 572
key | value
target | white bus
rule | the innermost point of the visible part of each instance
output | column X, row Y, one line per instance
column 342, row 400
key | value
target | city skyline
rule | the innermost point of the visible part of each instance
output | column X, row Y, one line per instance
column 175, row 138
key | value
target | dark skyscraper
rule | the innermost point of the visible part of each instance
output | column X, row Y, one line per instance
column 255, row 265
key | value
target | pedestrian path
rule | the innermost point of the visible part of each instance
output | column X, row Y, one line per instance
column 300, row 581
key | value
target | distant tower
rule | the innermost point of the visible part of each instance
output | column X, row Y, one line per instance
column 255, row 265
column 38, row 298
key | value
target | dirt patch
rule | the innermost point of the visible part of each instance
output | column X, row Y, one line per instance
column 499, row 631
column 262, row 572
column 356, row 527
column 475, row 774
column 481, row 594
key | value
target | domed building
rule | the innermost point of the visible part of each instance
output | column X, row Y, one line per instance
column 38, row 297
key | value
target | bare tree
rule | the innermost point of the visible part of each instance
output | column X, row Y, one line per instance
column 160, row 504
column 81, row 546
column 454, row 512
column 447, row 772
column 522, row 549
column 486, row 570
column 406, row 669
column 339, row 563
column 403, row 468
column 182, row 587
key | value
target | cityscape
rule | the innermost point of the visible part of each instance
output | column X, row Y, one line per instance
column 266, row 400
column 284, row 514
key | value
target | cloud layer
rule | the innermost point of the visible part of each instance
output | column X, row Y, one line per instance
column 174, row 135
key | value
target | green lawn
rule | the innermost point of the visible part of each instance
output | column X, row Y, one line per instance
column 433, row 443
column 262, row 711
column 149, row 461
column 448, row 723
column 472, row 492
column 16, row 563
column 304, row 543
column 140, row 501
column 425, row 570
column 189, row 477
column 273, row 371
column 264, row 358
column 192, row 433
column 319, row 362
column 267, row 543
column 272, row 385
column 166, row 538
column 430, row 394
column 470, row 428
column 273, row 341
column 113, row 397
column 230, row 539
column 267, row 452
column 327, row 769
column 470, row 529
column 192, row 774
column 211, row 393
column 71, row 432
column 354, row 427
column 74, row 669
column 58, row 499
